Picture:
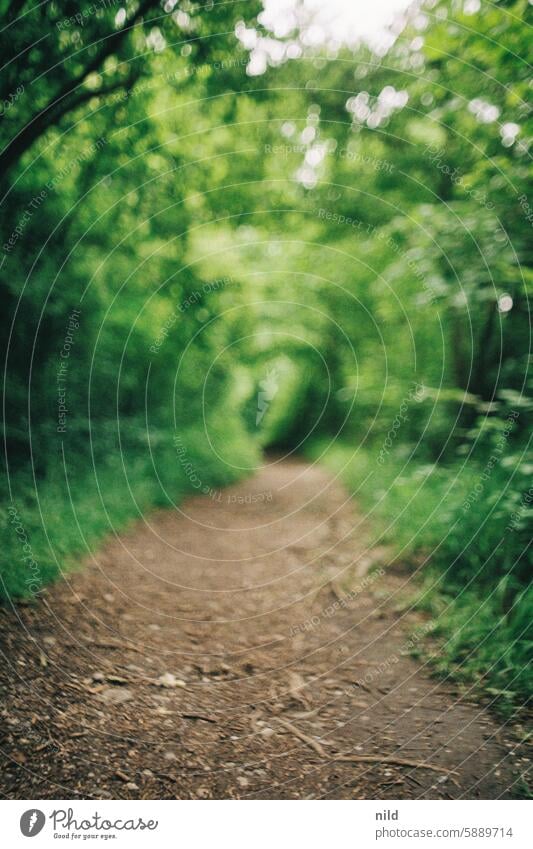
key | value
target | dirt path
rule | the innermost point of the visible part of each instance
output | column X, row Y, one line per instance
column 238, row 650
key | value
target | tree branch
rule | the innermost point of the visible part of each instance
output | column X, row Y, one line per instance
column 62, row 103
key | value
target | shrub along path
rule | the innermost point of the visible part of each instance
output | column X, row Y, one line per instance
column 245, row 645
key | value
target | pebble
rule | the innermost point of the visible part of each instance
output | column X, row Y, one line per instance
column 116, row 695
column 169, row 680
column 202, row 793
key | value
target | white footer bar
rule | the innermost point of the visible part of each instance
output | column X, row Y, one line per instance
column 264, row 825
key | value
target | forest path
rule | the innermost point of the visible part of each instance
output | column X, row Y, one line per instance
column 238, row 648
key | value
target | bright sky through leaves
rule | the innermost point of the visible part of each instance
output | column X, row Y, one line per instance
column 337, row 20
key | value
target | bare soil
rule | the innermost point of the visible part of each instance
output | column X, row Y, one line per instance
column 245, row 645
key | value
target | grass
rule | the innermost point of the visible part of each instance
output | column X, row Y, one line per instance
column 53, row 522
column 469, row 530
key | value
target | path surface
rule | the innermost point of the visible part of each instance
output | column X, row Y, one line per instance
column 238, row 650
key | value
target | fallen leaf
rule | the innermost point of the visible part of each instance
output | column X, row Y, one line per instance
column 169, row 680
column 115, row 696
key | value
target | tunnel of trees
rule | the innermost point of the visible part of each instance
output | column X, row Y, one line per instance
column 219, row 240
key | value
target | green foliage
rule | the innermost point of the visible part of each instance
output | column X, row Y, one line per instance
column 51, row 522
column 198, row 263
column 469, row 526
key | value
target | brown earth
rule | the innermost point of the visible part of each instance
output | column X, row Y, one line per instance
column 248, row 645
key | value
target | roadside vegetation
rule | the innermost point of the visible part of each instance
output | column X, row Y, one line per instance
column 218, row 240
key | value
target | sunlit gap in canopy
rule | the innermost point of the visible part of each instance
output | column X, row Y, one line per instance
column 298, row 24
